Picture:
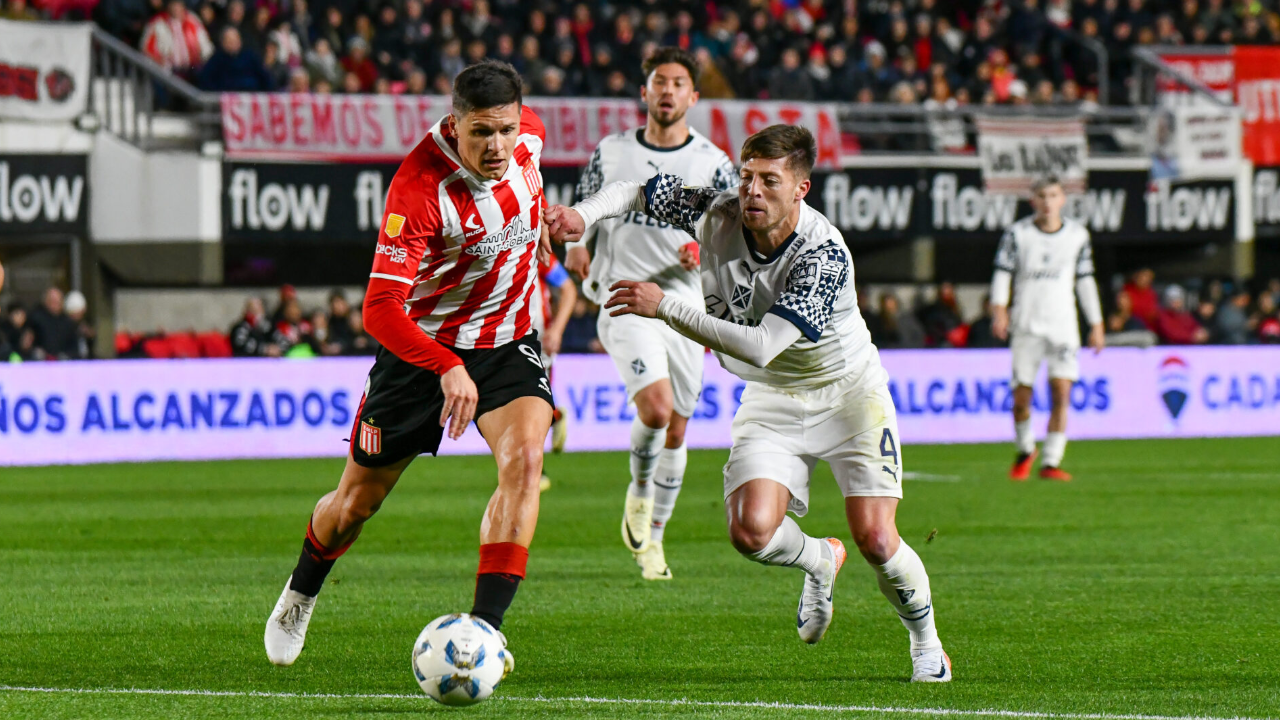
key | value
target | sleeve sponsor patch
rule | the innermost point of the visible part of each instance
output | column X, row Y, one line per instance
column 394, row 223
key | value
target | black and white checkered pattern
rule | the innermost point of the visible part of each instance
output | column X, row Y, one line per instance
column 814, row 281
column 592, row 178
column 666, row 198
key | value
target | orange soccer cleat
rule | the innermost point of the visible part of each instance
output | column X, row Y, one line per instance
column 1053, row 473
column 1021, row 469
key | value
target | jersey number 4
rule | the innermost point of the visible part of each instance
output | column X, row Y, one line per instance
column 889, row 449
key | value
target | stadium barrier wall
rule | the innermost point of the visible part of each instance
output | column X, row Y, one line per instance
column 124, row 411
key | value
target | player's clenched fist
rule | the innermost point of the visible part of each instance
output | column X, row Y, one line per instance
column 460, row 398
column 565, row 224
column 578, row 261
column 635, row 298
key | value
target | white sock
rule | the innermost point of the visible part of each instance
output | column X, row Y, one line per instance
column 1055, row 446
column 1026, row 436
column 666, row 488
column 905, row 583
column 646, row 443
column 790, row 547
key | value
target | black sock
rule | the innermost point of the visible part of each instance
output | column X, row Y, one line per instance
column 494, row 593
column 311, row 571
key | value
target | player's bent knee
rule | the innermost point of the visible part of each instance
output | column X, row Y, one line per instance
column 655, row 415
column 876, row 543
column 750, row 538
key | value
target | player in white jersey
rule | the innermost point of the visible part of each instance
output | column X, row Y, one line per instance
column 661, row 368
column 781, row 312
column 1050, row 263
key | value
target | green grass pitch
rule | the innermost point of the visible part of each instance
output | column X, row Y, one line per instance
column 1149, row 586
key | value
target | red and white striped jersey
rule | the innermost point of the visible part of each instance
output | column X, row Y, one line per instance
column 466, row 245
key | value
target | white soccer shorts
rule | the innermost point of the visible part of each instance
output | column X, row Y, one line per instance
column 781, row 436
column 1029, row 351
column 645, row 350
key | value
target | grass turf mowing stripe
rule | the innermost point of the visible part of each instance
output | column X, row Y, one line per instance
column 627, row 701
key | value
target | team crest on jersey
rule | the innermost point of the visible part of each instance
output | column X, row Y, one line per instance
column 741, row 298
column 394, row 223
column 532, row 178
column 370, row 438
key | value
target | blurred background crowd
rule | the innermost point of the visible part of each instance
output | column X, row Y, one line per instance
column 1142, row 312
column 901, row 51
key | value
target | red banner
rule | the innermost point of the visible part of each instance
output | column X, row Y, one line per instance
column 384, row 128
column 1258, row 95
column 1247, row 75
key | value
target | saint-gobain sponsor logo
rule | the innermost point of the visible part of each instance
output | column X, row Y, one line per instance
column 514, row 235
column 25, row 198
column 273, row 206
column 1174, row 383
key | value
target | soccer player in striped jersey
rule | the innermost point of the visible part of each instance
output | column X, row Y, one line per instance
column 450, row 299
column 661, row 368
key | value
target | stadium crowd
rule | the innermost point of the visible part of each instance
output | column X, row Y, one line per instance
column 901, row 51
column 1218, row 312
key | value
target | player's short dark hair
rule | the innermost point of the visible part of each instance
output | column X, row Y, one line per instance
column 794, row 143
column 487, row 84
column 668, row 55
column 1045, row 181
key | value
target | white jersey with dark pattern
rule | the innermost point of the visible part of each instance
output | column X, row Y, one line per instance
column 636, row 246
column 1045, row 268
column 808, row 281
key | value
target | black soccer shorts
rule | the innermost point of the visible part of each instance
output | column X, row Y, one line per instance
column 399, row 415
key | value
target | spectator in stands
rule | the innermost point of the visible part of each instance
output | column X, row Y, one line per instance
column 941, row 317
column 18, row 10
column 339, row 320
column 1232, row 325
column 789, row 81
column 176, row 40
column 233, row 68
column 894, row 327
column 17, row 333
column 318, row 336
column 253, row 335
column 1142, row 296
column 75, row 307
column 292, row 325
column 322, row 63
column 980, row 335
column 277, row 69
column 55, row 333
column 1122, row 318
column 1174, row 324
column 388, row 48
column 362, row 342
column 845, row 79
column 712, row 83
column 357, row 62
column 1267, row 319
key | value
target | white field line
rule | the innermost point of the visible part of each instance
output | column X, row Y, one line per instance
column 626, row 701
column 930, row 477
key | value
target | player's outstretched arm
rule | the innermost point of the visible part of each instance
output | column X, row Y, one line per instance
column 614, row 199
column 756, row 346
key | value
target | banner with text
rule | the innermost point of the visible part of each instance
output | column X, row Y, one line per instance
column 126, row 411
column 375, row 128
column 386, row 127
column 1246, row 75
column 1195, row 142
column 1016, row 152
column 44, row 195
column 44, row 70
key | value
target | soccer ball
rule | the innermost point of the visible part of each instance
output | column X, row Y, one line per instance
column 459, row 659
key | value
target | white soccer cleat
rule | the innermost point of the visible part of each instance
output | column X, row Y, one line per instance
column 637, row 521
column 508, row 660
column 930, row 666
column 813, row 617
column 653, row 563
column 287, row 626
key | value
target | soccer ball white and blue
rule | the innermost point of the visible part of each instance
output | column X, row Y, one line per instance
column 459, row 659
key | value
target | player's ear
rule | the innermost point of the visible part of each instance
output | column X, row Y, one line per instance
column 803, row 189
